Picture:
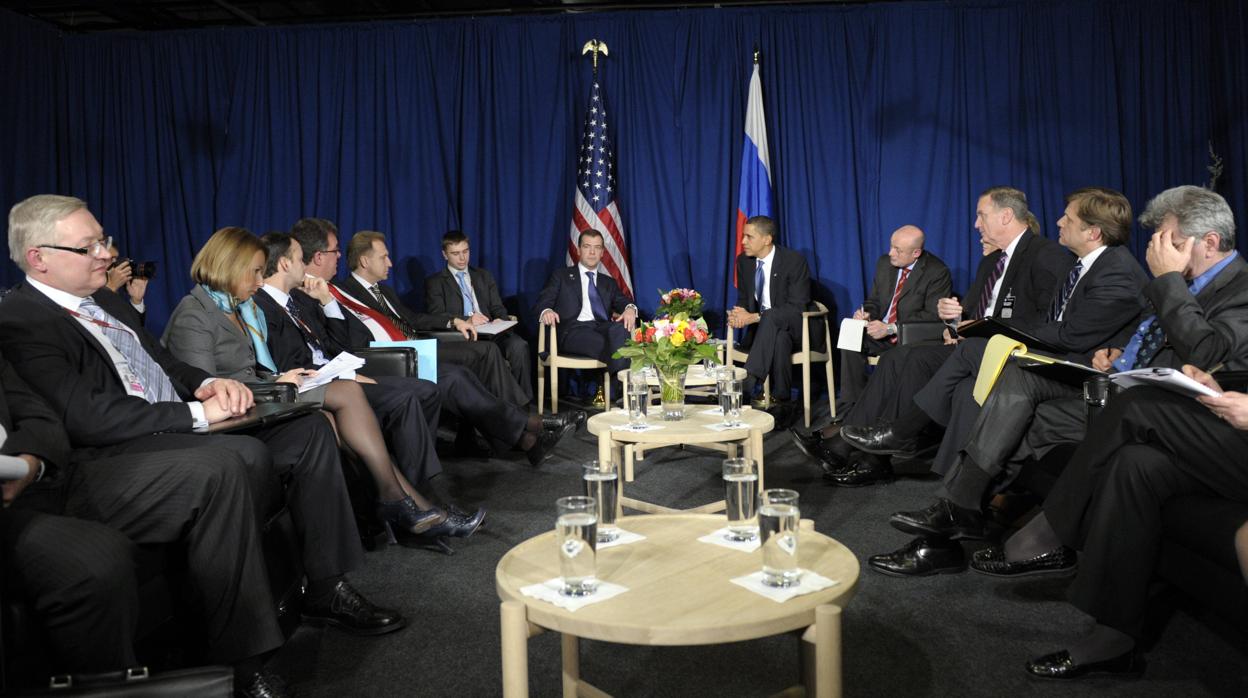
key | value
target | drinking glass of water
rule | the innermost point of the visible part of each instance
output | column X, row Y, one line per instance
column 638, row 397
column 740, row 488
column 576, row 532
column 602, row 483
column 709, row 364
column 778, row 518
column 729, row 390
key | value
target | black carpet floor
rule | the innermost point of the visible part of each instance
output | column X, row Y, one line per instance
column 963, row 634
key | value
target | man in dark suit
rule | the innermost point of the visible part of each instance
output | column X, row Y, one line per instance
column 773, row 290
column 594, row 316
column 1015, row 283
column 471, row 293
column 1148, row 447
column 73, row 524
column 909, row 281
column 118, row 391
column 318, row 238
column 1103, row 287
column 309, row 327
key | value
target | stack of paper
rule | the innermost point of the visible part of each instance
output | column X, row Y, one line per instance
column 342, row 366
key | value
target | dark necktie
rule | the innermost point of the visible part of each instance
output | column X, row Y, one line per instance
column 595, row 300
column 892, row 307
column 308, row 337
column 759, row 278
column 985, row 295
column 1059, row 302
column 1150, row 344
column 407, row 330
column 152, row 378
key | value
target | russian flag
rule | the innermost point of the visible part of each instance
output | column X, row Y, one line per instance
column 754, row 195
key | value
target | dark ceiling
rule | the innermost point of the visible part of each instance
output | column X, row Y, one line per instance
column 123, row 15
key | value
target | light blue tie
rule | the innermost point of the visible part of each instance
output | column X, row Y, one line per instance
column 463, row 289
column 156, row 385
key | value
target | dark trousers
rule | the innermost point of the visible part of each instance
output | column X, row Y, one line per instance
column 519, row 361
column 1147, row 447
column 408, row 410
column 595, row 339
column 463, row 396
column 853, row 373
column 948, row 398
column 770, row 342
column 304, row 453
column 900, row 374
column 197, row 494
column 78, row 576
column 485, row 361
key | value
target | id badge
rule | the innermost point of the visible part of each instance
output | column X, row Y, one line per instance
column 1007, row 306
column 134, row 386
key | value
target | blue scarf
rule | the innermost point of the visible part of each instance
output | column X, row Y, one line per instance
column 253, row 320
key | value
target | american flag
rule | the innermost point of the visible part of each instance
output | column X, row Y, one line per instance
column 595, row 193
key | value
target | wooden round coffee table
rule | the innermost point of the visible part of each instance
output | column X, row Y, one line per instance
column 622, row 447
column 679, row 593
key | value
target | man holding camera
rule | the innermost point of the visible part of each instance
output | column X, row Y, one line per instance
column 128, row 279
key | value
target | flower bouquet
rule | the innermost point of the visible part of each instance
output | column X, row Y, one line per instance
column 678, row 301
column 671, row 344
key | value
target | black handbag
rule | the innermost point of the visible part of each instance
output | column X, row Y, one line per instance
column 137, row 682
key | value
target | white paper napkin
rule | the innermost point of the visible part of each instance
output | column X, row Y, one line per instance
column 714, row 410
column 809, row 584
column 720, row 537
column 636, row 429
column 549, row 591
column 720, row 426
column 625, row 538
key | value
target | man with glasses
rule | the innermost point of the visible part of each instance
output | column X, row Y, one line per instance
column 120, row 392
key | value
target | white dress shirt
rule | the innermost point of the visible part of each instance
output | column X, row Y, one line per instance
column 476, row 305
column 1087, row 261
column 996, row 288
column 767, row 262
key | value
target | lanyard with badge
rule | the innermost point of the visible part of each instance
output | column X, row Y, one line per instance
column 1007, row 305
column 134, row 386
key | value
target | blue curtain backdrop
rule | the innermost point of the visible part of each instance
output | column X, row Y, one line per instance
column 879, row 115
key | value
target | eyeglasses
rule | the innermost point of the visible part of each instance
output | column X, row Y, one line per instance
column 95, row 249
column 338, row 251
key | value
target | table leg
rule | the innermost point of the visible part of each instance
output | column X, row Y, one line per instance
column 630, row 455
column 606, row 447
column 828, row 651
column 515, row 641
column 571, row 665
column 754, row 449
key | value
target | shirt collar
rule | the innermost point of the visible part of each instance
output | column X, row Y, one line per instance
column 1009, row 249
column 770, row 256
column 585, row 268
column 62, row 298
column 277, row 294
column 455, row 272
column 1199, row 283
column 363, row 281
column 1090, row 258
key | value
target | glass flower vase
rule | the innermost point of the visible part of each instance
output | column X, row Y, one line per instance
column 672, row 392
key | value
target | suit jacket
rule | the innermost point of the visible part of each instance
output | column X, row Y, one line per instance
column 65, row 364
column 425, row 322
column 1037, row 270
column 31, row 425
column 929, row 281
column 562, row 293
column 286, row 342
column 1205, row 330
column 442, row 293
column 790, row 281
column 204, row 337
column 1108, row 294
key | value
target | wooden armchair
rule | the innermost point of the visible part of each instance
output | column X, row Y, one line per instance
column 805, row 357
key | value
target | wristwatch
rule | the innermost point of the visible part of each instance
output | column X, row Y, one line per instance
column 892, row 328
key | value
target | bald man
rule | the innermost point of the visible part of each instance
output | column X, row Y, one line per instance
column 908, row 282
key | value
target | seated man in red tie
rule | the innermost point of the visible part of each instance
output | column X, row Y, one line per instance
column 593, row 314
column 909, row 281
column 773, row 289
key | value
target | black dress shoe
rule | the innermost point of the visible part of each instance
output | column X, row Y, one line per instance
column 881, row 441
column 348, row 610
column 921, row 557
column 807, row 443
column 835, row 454
column 1059, row 665
column 784, row 412
column 991, row 561
column 863, row 469
column 263, row 684
column 546, row 441
column 576, row 418
column 944, row 519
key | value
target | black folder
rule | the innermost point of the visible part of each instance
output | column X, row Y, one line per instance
column 987, row 327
